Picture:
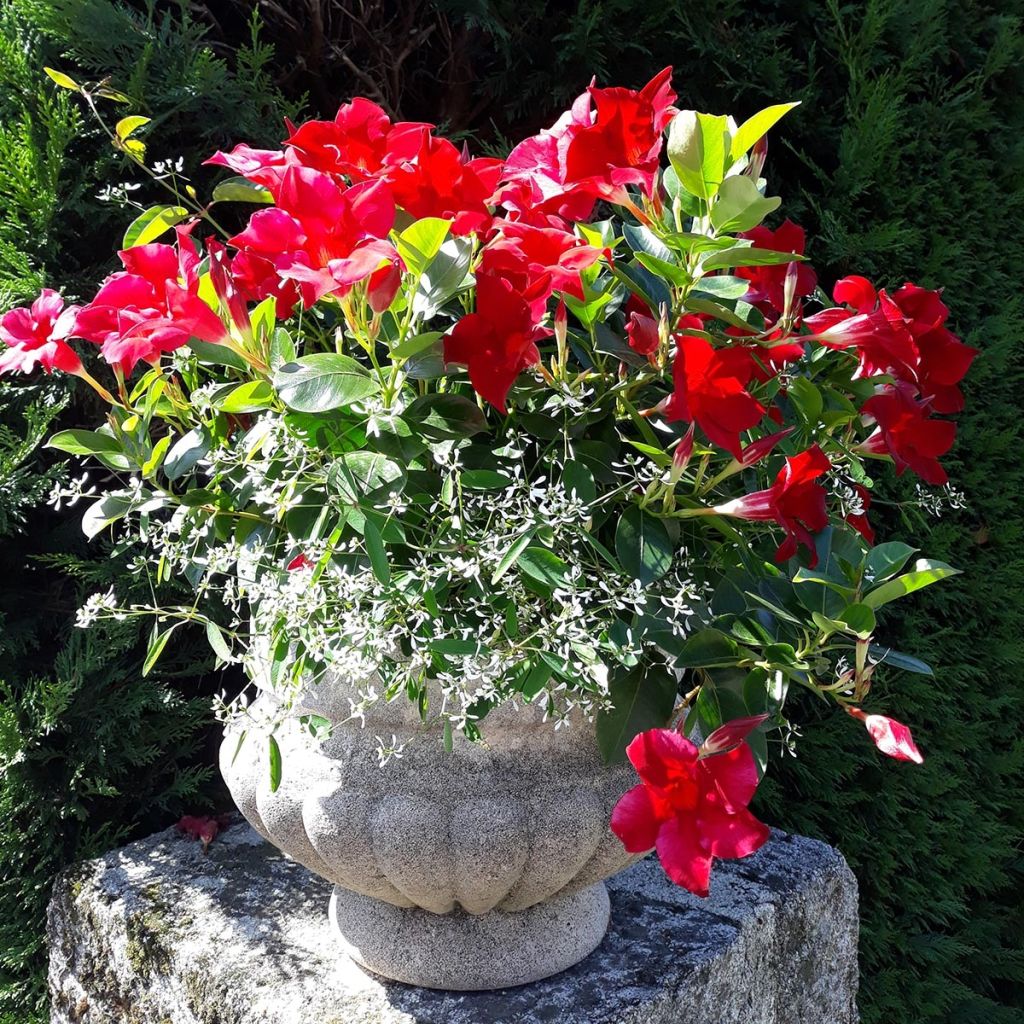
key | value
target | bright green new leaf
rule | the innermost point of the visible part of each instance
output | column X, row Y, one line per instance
column 156, row 648
column 251, row 396
column 241, row 190
column 151, row 224
column 64, row 81
column 127, row 125
column 755, row 127
column 697, row 146
column 740, row 206
column 421, row 241
column 859, row 619
column 747, row 256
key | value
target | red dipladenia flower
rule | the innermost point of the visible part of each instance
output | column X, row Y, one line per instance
column 37, row 335
column 257, row 279
column 544, row 251
column 609, row 139
column 499, row 340
column 905, row 432
column 892, row 738
column 767, row 288
column 323, row 235
column 151, row 307
column 430, row 177
column 710, row 387
column 795, row 501
column 689, row 808
column 354, row 144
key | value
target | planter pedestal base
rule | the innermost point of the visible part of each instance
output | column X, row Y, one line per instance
column 159, row 933
column 470, row 952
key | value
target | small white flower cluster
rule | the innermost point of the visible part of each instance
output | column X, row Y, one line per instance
column 67, row 493
column 937, row 502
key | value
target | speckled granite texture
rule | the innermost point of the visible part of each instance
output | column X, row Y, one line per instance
column 156, row 933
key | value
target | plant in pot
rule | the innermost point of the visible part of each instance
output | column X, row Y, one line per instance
column 505, row 480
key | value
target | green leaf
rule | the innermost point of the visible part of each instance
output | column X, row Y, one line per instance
column 806, row 398
column 543, row 566
column 723, row 286
column 186, row 453
column 241, row 190
column 859, row 619
column 156, row 648
column 274, row 753
column 218, row 644
column 484, row 480
column 251, row 396
column 152, row 223
column 129, row 124
column 421, row 241
column 643, row 240
column 445, row 417
column 510, row 556
column 642, row 699
column 413, row 346
column 757, row 126
column 697, row 150
column 378, row 555
column 747, row 256
column 445, row 276
column 89, row 442
column 740, row 206
column 925, row 573
column 217, row 355
column 282, row 348
column 642, row 545
column 887, row 656
column 323, row 381
column 710, row 648
column 64, row 81
column 577, row 479
column 886, row 560
column 100, row 514
column 358, row 476
column 718, row 311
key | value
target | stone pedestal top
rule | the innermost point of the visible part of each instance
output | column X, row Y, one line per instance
column 159, row 933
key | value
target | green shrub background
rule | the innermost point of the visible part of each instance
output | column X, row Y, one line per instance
column 905, row 160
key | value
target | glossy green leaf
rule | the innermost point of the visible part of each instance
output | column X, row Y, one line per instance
column 445, row 416
column 543, row 566
column 252, row 396
column 510, row 556
column 740, row 206
column 152, row 223
column 323, row 381
column 156, row 648
column 217, row 643
column 886, row 560
column 642, row 699
column 642, row 545
column 859, row 619
column 484, row 480
column 697, row 147
column 897, row 659
column 359, row 476
column 421, row 241
column 241, row 190
column 89, row 442
column 708, row 649
column 747, row 256
column 924, row 573
column 377, row 553
column 756, row 126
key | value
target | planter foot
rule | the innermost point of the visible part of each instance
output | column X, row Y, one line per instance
column 470, row 952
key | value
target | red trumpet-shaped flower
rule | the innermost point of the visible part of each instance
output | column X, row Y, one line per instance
column 688, row 807
column 642, row 332
column 892, row 738
column 767, row 288
column 908, row 434
column 499, row 340
column 321, row 234
column 795, row 501
column 37, row 335
column 609, row 139
column 710, row 387
column 544, row 251
column 356, row 143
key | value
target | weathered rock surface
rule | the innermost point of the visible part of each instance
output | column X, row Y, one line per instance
column 158, row 933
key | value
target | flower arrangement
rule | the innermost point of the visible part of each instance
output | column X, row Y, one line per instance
column 572, row 428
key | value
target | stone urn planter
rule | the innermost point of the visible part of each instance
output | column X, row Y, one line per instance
column 478, row 868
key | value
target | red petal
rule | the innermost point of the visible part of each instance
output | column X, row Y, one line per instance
column 731, row 734
column 738, row 834
column 662, row 756
column 734, row 774
column 635, row 821
column 683, row 857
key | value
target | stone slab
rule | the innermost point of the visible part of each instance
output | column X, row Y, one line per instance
column 158, row 933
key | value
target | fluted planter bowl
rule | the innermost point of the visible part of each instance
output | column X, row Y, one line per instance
column 478, row 868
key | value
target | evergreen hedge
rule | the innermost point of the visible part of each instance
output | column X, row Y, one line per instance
column 904, row 160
